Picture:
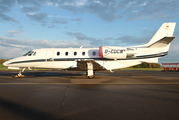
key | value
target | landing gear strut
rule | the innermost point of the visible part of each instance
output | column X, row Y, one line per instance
column 90, row 72
column 19, row 75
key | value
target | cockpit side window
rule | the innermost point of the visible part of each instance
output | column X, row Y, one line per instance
column 30, row 53
column 27, row 53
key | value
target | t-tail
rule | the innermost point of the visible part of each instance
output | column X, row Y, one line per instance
column 163, row 37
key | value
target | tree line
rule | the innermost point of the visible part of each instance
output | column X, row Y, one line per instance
column 147, row 65
column 3, row 60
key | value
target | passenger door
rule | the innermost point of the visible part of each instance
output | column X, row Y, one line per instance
column 49, row 58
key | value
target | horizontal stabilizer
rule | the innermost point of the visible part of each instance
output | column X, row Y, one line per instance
column 162, row 42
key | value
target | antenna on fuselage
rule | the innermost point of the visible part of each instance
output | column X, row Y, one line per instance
column 81, row 46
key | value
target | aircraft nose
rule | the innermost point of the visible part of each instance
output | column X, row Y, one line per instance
column 5, row 63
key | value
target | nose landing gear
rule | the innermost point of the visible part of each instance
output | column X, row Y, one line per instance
column 19, row 75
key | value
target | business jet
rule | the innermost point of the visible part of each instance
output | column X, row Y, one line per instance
column 96, row 59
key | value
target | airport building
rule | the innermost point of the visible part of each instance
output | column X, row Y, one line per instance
column 170, row 66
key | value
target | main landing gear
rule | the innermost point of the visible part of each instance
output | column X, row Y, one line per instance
column 92, row 76
column 19, row 75
column 90, row 72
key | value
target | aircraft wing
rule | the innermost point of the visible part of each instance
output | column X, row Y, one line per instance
column 82, row 65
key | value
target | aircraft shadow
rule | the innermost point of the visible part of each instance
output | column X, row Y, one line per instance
column 24, row 111
column 43, row 74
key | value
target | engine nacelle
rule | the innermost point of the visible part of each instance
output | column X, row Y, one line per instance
column 112, row 52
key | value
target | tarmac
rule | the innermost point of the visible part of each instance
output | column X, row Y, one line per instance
column 70, row 95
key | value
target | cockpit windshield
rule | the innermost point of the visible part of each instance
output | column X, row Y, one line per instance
column 30, row 53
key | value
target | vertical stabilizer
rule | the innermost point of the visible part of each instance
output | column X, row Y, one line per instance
column 166, row 30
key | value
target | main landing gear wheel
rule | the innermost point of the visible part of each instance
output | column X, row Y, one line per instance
column 91, row 77
column 90, row 72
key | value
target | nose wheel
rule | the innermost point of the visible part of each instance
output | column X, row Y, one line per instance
column 19, row 75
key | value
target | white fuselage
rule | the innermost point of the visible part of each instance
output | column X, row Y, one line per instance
column 65, row 58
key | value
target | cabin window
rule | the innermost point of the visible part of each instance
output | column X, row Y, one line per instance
column 75, row 53
column 94, row 53
column 83, row 53
column 66, row 53
column 58, row 53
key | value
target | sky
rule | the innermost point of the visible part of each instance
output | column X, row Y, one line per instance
column 34, row 24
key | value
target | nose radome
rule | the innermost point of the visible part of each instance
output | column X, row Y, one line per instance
column 5, row 63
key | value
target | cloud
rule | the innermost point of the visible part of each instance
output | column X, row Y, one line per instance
column 51, row 21
column 76, row 3
column 30, row 9
column 113, row 9
column 5, row 17
column 82, row 38
column 10, row 52
column 143, row 4
column 76, row 19
column 12, row 33
column 107, row 10
column 79, row 36
column 153, row 10
column 10, row 44
column 38, row 17
column 119, row 41
column 6, row 5
column 59, row 21
column 134, row 40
